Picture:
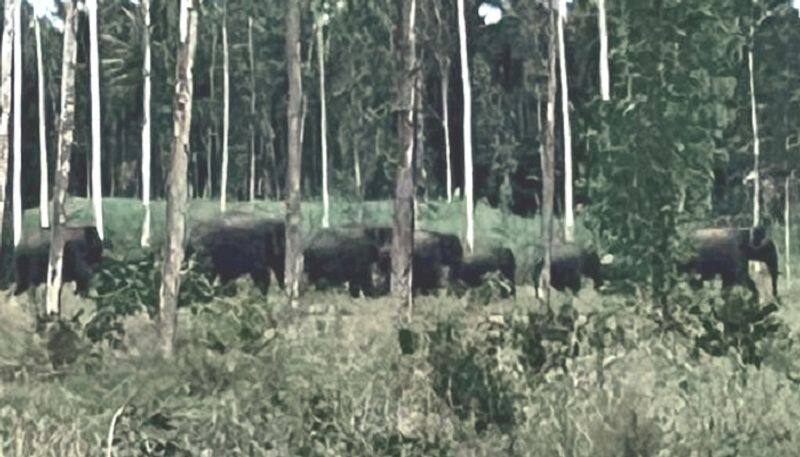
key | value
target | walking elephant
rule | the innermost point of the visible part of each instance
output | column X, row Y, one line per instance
column 727, row 251
column 568, row 262
column 83, row 250
column 240, row 244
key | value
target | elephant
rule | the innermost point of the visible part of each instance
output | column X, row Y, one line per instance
column 83, row 249
column 435, row 256
column 568, row 263
column 343, row 255
column 472, row 269
column 727, row 251
column 238, row 245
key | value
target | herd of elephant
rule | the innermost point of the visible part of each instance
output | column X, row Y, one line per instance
column 359, row 257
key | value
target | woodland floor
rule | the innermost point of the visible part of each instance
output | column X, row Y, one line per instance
column 334, row 382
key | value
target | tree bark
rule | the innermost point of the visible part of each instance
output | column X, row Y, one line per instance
column 605, row 78
column 467, row 94
column 177, row 199
column 212, row 129
column 403, row 218
column 17, row 185
column 226, row 100
column 6, row 61
column 420, row 174
column 787, row 223
column 756, row 141
column 94, row 60
column 548, row 158
column 252, row 109
column 294, row 249
column 146, row 151
column 270, row 162
column 323, row 125
column 44, row 198
column 446, row 125
column 569, row 217
column 66, row 127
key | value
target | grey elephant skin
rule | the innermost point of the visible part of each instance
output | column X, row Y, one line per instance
column 495, row 259
column 240, row 244
column 83, row 249
column 568, row 263
column 727, row 251
column 335, row 256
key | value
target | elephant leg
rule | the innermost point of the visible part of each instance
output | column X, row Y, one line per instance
column 750, row 284
column 278, row 270
column 261, row 279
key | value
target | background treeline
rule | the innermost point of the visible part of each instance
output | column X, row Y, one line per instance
column 679, row 74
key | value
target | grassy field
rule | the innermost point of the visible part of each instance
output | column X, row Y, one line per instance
column 600, row 377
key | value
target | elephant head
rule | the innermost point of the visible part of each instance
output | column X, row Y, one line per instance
column 591, row 268
column 765, row 252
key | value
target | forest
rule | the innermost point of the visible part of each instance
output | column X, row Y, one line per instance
column 399, row 227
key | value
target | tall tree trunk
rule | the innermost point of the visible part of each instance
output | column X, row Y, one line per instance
column 270, row 163
column 605, row 78
column 357, row 172
column 294, row 249
column 420, row 174
column 467, row 94
column 146, row 151
column 94, row 60
column 6, row 61
column 323, row 124
column 252, row 109
column 403, row 219
column 17, row 190
column 569, row 217
column 787, row 224
column 113, row 153
column 446, row 125
column 177, row 198
column 548, row 158
column 66, row 127
column 212, row 129
column 44, row 198
column 756, row 141
column 226, row 100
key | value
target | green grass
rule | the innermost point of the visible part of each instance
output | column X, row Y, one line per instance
column 334, row 382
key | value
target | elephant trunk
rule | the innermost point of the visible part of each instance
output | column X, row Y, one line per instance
column 767, row 252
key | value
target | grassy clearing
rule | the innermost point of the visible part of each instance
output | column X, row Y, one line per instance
column 123, row 221
column 488, row 377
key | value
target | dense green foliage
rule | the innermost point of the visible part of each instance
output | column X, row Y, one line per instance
column 648, row 367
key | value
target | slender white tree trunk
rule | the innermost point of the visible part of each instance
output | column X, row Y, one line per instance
column 569, row 217
column 547, row 157
column 146, row 94
column 446, row 126
column 66, row 127
column 756, row 141
column 44, row 198
column 252, row 109
column 212, row 129
column 787, row 227
column 323, row 124
column 17, row 190
column 605, row 78
column 467, row 93
column 225, row 116
column 177, row 193
column 94, row 59
column 5, row 103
